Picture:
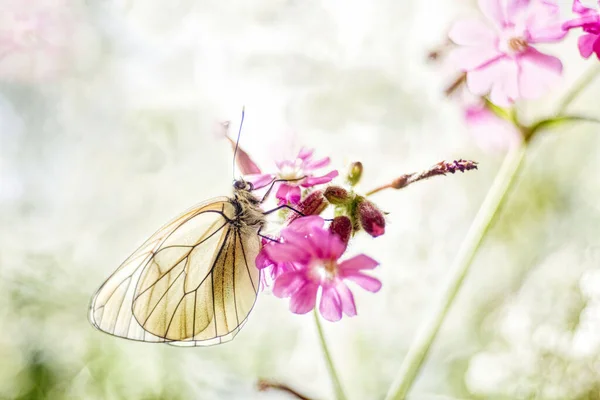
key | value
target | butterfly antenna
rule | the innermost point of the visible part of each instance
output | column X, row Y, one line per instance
column 237, row 142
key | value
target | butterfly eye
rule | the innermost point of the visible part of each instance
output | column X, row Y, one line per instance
column 250, row 186
column 239, row 185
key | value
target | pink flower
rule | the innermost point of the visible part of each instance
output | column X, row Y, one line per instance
column 273, row 269
column 35, row 38
column 499, row 57
column 299, row 173
column 315, row 254
column 489, row 130
column 589, row 21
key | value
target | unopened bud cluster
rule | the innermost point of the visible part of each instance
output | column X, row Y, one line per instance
column 313, row 204
column 354, row 212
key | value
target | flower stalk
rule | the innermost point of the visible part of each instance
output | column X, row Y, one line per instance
column 420, row 348
column 498, row 192
column 335, row 380
column 583, row 82
column 440, row 169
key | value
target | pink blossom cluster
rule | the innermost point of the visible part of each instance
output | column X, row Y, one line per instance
column 588, row 19
column 35, row 37
column 499, row 56
column 306, row 262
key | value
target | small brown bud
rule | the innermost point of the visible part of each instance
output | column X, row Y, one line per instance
column 400, row 182
column 342, row 226
column 313, row 204
column 371, row 218
column 337, row 195
column 355, row 173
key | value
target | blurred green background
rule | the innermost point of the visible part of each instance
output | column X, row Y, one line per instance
column 107, row 130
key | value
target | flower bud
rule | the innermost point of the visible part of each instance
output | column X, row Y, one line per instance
column 355, row 172
column 342, row 226
column 400, row 182
column 337, row 195
column 313, row 204
column 371, row 218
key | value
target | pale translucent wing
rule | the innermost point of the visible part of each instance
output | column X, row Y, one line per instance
column 112, row 306
column 230, row 292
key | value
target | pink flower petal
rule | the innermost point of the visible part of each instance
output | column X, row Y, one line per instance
column 547, row 34
column 472, row 32
column 504, row 13
column 242, row 159
column 538, row 73
column 319, row 243
column 597, row 48
column 579, row 8
column 493, row 11
column 284, row 252
column 284, row 163
column 586, row 44
column 469, row 58
column 357, row 263
column 301, row 241
column 544, row 24
column 262, row 259
column 304, row 299
column 330, row 307
column 346, row 299
column 245, row 163
column 581, row 22
column 311, row 165
column 281, row 268
column 500, row 78
column 289, row 283
column 325, row 243
column 312, row 181
column 259, row 181
column 305, row 153
column 336, row 246
column 306, row 224
column 288, row 194
column 490, row 131
column 365, row 281
column 480, row 80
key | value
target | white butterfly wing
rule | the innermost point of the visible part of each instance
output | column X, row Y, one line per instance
column 194, row 281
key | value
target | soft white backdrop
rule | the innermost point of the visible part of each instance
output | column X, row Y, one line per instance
column 107, row 130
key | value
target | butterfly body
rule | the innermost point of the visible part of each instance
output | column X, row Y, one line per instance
column 192, row 283
column 250, row 215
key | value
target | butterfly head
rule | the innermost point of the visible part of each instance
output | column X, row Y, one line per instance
column 241, row 184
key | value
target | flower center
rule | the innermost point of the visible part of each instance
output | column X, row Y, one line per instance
column 290, row 171
column 325, row 271
column 517, row 44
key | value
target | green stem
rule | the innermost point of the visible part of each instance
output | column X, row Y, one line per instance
column 335, row 380
column 420, row 347
column 578, row 87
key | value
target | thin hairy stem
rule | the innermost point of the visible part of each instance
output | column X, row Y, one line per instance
column 335, row 380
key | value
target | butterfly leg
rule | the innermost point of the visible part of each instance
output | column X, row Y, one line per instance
column 285, row 206
column 273, row 182
column 265, row 236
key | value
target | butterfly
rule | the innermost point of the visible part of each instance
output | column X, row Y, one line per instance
column 195, row 281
